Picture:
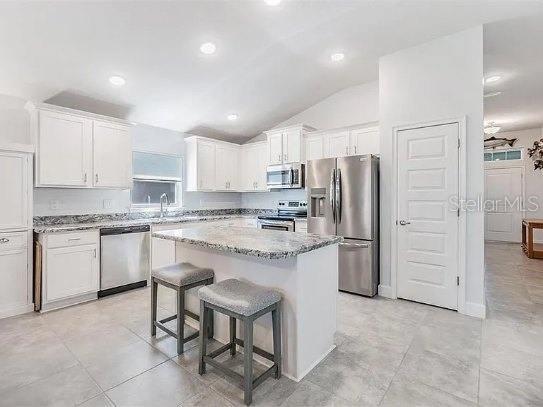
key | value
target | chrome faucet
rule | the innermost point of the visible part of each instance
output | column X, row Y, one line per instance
column 164, row 195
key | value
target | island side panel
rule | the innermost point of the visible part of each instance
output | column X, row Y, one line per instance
column 317, row 301
column 280, row 274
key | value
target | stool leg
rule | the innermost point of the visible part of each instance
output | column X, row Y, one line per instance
column 180, row 320
column 154, row 287
column 248, row 361
column 233, row 336
column 210, row 327
column 276, row 322
column 203, row 337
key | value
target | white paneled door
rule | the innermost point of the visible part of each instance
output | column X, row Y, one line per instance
column 427, row 226
column 503, row 204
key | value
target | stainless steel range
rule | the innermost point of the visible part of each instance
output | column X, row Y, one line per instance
column 284, row 219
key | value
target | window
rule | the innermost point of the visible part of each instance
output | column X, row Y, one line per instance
column 154, row 175
column 503, row 155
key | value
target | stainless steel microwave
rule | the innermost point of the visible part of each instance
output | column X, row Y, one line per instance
column 285, row 176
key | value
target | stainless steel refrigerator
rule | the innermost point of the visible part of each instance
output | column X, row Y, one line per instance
column 343, row 199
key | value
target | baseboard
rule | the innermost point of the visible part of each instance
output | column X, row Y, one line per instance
column 475, row 310
column 11, row 312
column 385, row 291
column 68, row 302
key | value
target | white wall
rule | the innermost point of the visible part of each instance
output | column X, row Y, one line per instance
column 533, row 180
column 14, row 120
column 82, row 201
column 354, row 105
column 441, row 79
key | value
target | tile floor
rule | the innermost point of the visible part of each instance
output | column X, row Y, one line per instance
column 389, row 353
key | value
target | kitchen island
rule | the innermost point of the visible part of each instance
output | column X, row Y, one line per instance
column 303, row 267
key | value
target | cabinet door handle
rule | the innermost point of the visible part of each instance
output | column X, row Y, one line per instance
column 355, row 149
column 347, row 150
column 4, row 240
column 279, row 158
column 96, row 178
column 94, row 253
column 85, row 178
column 74, row 239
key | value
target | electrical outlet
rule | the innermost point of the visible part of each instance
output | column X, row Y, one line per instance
column 54, row 204
column 107, row 203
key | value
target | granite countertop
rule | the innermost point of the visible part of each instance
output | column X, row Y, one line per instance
column 67, row 227
column 269, row 244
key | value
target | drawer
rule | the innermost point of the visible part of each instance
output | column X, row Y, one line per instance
column 72, row 238
column 13, row 240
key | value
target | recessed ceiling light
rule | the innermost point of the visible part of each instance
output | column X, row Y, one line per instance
column 337, row 57
column 232, row 116
column 272, row 2
column 117, row 80
column 208, row 48
column 492, row 94
column 494, row 78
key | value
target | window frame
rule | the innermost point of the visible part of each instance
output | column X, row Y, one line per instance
column 151, row 178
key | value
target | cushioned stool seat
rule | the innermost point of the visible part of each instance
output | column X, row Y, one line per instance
column 180, row 277
column 245, row 302
column 181, row 274
column 238, row 296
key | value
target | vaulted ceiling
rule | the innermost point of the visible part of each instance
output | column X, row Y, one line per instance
column 270, row 63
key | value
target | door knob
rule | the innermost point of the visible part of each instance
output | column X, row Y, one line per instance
column 404, row 222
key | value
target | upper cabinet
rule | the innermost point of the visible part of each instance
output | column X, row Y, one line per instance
column 112, row 162
column 254, row 160
column 81, row 150
column 64, row 150
column 200, row 158
column 338, row 144
column 342, row 142
column 226, row 167
column 285, row 145
column 364, row 141
column 16, row 187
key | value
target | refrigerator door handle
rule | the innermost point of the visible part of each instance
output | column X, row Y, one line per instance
column 332, row 193
column 338, row 195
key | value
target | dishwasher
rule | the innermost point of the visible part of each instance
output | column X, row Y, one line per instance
column 124, row 258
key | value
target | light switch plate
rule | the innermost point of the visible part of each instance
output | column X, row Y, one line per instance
column 54, row 204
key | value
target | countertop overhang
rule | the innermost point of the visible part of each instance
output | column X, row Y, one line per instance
column 269, row 244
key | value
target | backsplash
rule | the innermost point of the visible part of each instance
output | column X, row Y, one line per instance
column 101, row 217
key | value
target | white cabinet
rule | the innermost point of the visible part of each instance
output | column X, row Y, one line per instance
column 338, row 143
column 253, row 167
column 275, row 148
column 70, row 268
column 364, row 141
column 314, row 147
column 285, row 145
column 15, row 229
column 64, row 150
column 200, row 159
column 81, row 150
column 15, row 186
column 112, row 158
column 226, row 167
column 341, row 143
column 15, row 290
column 71, row 271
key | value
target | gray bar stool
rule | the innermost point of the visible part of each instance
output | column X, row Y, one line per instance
column 246, row 302
column 179, row 277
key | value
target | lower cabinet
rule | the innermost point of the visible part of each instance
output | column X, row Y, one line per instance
column 15, row 290
column 70, row 268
